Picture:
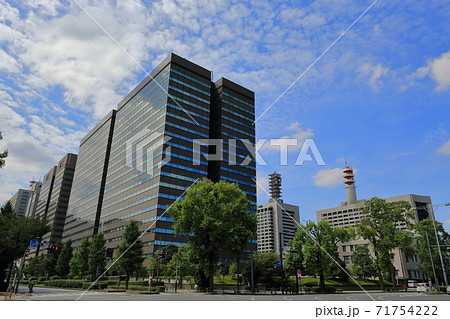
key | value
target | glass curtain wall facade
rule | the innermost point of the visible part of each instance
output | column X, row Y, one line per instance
column 151, row 162
column 85, row 204
column 59, row 199
column 44, row 200
column 232, row 117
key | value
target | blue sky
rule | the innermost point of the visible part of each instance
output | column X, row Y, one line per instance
column 380, row 97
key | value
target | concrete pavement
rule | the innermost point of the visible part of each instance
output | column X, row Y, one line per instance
column 52, row 294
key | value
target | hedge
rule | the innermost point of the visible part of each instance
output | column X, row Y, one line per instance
column 62, row 283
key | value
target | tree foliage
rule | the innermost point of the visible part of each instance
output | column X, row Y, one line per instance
column 16, row 233
column 263, row 269
column 79, row 264
column 362, row 263
column 129, row 252
column 62, row 265
column 380, row 229
column 320, row 247
column 97, row 256
column 213, row 217
column 3, row 154
column 294, row 257
column 425, row 241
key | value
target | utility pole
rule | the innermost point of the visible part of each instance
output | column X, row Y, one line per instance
column 176, row 276
column 251, row 269
column 281, row 265
column 436, row 282
column 439, row 247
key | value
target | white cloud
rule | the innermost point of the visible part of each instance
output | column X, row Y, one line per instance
column 438, row 69
column 298, row 134
column 444, row 149
column 374, row 73
column 328, row 177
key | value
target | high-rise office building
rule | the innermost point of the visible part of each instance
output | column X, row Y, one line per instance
column 86, row 198
column 54, row 198
column 350, row 213
column 19, row 201
column 277, row 221
column 159, row 148
column 35, row 188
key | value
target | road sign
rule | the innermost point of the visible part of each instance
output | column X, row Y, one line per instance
column 279, row 262
column 299, row 274
column 33, row 243
column 274, row 265
column 44, row 243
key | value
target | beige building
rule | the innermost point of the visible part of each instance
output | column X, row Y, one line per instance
column 349, row 213
column 276, row 220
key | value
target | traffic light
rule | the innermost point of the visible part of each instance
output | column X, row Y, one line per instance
column 53, row 249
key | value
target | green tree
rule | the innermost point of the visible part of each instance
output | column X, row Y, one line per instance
column 16, row 233
column 3, row 154
column 66, row 254
column 129, row 251
column 294, row 257
column 362, row 263
column 380, row 229
column 185, row 267
column 30, row 268
column 213, row 217
column 263, row 269
column 97, row 256
column 233, row 270
column 79, row 264
column 320, row 247
column 50, row 261
column 425, row 241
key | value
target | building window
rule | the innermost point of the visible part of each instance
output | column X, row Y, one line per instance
column 347, row 259
column 344, row 248
column 351, row 247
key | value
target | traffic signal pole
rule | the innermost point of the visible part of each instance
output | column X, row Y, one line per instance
column 20, row 269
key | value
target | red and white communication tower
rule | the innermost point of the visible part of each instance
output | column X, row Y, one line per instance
column 349, row 181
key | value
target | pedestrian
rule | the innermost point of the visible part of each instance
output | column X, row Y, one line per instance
column 30, row 289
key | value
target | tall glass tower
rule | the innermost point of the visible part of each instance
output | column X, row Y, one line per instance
column 159, row 147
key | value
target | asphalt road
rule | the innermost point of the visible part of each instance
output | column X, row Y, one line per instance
column 52, row 294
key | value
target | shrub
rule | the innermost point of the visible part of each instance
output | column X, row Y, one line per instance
column 159, row 289
column 339, row 290
column 41, row 279
column 139, row 283
column 316, row 290
column 330, row 290
column 55, row 277
column 63, row 283
column 307, row 290
column 32, row 279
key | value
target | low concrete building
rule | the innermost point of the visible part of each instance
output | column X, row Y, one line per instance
column 350, row 213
